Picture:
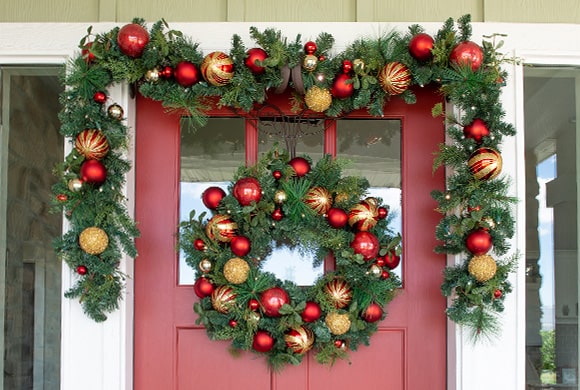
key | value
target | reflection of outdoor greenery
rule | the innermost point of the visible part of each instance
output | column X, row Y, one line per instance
column 548, row 356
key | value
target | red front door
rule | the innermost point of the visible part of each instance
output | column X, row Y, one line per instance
column 172, row 352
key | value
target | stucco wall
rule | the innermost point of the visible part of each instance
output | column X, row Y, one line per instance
column 529, row 11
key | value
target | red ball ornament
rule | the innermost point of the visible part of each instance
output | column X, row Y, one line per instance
column 476, row 130
column 311, row 312
column 212, row 197
column 61, row 197
column 233, row 323
column 380, row 261
column 186, row 74
column 337, row 218
column 132, row 39
column 253, row 304
column 346, row 66
column 92, row 144
column 240, row 246
column 340, row 344
column 342, row 86
column 82, row 270
column 373, row 313
column 300, row 165
column 166, row 72
column 272, row 300
column 420, row 47
column 395, row 78
column 221, row 227
column 253, row 55
column 263, row 341
column 467, row 54
column 299, row 339
column 87, row 53
column 385, row 274
column 310, row 47
column 392, row 260
column 478, row 242
column 365, row 244
column 277, row 175
column 93, row 172
column 497, row 294
column 339, row 292
column 199, row 245
column 382, row 212
column 485, row 163
column 100, row 97
column 247, row 190
column 203, row 287
column 217, row 68
column 318, row 199
column 277, row 215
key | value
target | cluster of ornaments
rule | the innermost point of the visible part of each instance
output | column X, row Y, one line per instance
column 222, row 230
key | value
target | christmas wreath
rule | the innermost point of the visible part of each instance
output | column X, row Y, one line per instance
column 283, row 200
column 167, row 66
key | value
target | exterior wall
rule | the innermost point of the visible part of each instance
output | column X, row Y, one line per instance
column 529, row 11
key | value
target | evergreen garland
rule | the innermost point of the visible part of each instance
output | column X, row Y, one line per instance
column 466, row 204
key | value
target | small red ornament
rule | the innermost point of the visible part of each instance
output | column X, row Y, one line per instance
column 485, row 163
column 221, row 227
column 380, row 261
column 497, row 294
column 240, row 246
column 392, row 260
column 212, row 197
column 366, row 244
column 87, row 53
column 92, row 144
column 247, row 190
column 299, row 339
column 310, row 47
column 363, row 216
column 233, row 323
column 277, row 175
column 318, row 199
column 476, row 130
column 253, row 55
column 199, row 244
column 478, row 242
column 277, row 215
column 342, row 86
column 395, row 78
column 339, row 292
column 311, row 312
column 346, row 66
column 217, row 68
column 186, row 74
column 132, row 39
column 300, row 165
column 337, row 218
column 382, row 212
column 93, row 172
column 272, row 300
column 61, row 197
column 253, row 304
column 420, row 47
column 385, row 274
column 166, row 72
column 82, row 270
column 203, row 287
column 339, row 344
column 467, row 54
column 373, row 312
column 100, row 97
column 263, row 341
column 222, row 298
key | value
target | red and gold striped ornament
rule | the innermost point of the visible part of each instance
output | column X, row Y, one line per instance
column 220, row 227
column 217, row 68
column 485, row 163
column 339, row 292
column 364, row 215
column 299, row 339
column 395, row 78
column 319, row 200
column 92, row 144
column 223, row 298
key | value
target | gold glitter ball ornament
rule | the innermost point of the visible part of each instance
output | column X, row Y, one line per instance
column 236, row 270
column 482, row 268
column 318, row 99
column 337, row 323
column 93, row 240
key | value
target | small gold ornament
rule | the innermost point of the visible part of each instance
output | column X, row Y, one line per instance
column 337, row 323
column 318, row 99
column 75, row 185
column 236, row 270
column 115, row 111
column 375, row 270
column 482, row 267
column 280, row 196
column 93, row 240
column 253, row 317
column 152, row 75
column 205, row 266
column 359, row 66
column 310, row 62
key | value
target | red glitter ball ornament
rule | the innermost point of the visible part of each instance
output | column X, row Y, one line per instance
column 366, row 244
column 272, row 300
column 467, row 54
column 247, row 190
column 132, row 39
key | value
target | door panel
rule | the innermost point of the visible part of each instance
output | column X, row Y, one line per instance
column 171, row 352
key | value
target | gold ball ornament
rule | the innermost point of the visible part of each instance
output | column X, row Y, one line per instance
column 364, row 215
column 395, row 78
column 205, row 266
column 93, row 240
column 299, row 339
column 217, row 68
column 482, row 268
column 280, row 196
column 115, row 111
column 339, row 292
column 223, row 298
column 236, row 270
column 75, row 185
column 485, row 163
column 152, row 75
column 220, row 227
column 318, row 99
column 319, row 200
column 337, row 323
column 358, row 66
column 310, row 62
